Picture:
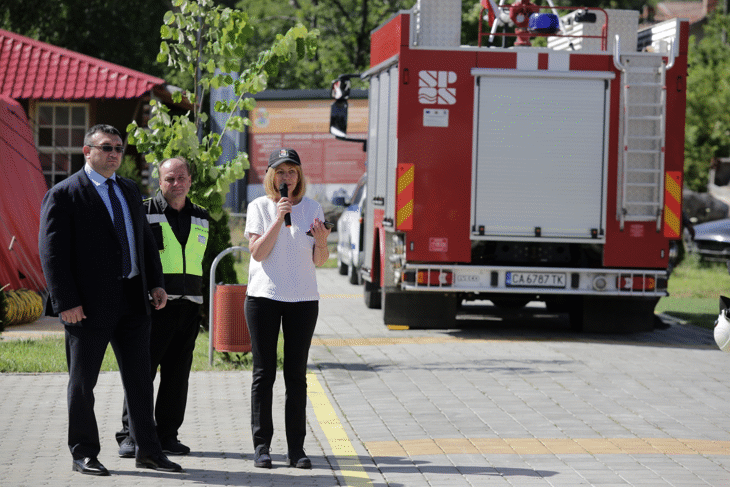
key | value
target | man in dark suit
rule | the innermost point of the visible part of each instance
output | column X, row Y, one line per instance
column 99, row 259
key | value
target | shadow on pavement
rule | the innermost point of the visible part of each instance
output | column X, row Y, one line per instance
column 518, row 367
column 405, row 465
column 478, row 321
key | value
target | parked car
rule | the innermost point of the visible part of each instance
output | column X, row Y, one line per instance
column 712, row 240
column 350, row 231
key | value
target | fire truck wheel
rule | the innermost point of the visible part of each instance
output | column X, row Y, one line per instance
column 574, row 307
column 612, row 314
column 372, row 295
column 420, row 309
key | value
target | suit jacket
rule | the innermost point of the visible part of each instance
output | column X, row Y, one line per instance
column 81, row 254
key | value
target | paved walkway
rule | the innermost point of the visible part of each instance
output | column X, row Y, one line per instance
column 506, row 399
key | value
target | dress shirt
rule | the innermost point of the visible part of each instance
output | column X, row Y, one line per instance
column 102, row 188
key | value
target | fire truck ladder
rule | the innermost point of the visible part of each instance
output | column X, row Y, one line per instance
column 644, row 118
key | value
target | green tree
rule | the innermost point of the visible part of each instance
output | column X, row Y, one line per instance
column 205, row 42
column 344, row 41
column 708, row 98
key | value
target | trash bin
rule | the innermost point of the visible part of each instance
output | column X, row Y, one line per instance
column 228, row 329
column 230, row 332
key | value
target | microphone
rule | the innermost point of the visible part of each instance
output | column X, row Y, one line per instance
column 284, row 191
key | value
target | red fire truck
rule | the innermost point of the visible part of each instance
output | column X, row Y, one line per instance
column 521, row 173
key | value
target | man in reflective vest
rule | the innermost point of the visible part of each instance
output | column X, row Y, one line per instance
column 181, row 232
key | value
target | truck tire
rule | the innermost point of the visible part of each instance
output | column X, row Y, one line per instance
column 613, row 314
column 419, row 309
column 342, row 268
column 354, row 275
column 574, row 306
column 372, row 293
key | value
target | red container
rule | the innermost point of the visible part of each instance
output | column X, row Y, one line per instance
column 230, row 332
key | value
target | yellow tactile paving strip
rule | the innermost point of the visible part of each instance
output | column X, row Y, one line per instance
column 547, row 446
column 345, row 455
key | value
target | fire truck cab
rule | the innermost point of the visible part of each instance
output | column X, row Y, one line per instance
column 521, row 173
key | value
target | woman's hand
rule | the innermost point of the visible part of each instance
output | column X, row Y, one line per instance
column 283, row 207
column 321, row 252
column 319, row 232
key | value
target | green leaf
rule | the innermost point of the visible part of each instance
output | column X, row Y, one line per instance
column 237, row 123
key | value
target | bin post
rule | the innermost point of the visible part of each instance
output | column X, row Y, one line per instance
column 211, row 295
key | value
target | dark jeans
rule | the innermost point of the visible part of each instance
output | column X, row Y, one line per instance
column 174, row 330
column 297, row 320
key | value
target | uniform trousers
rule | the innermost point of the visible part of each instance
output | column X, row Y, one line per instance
column 264, row 318
column 174, row 331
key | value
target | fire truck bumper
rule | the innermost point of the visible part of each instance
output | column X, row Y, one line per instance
column 531, row 280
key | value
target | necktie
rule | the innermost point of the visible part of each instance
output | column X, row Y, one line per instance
column 120, row 227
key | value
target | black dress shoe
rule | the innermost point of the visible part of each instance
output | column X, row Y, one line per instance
column 174, row 447
column 89, row 466
column 158, row 462
column 299, row 459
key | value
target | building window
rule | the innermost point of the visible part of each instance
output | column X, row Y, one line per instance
column 60, row 130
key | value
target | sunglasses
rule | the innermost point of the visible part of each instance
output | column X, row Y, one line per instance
column 109, row 148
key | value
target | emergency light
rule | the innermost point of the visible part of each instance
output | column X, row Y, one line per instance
column 544, row 23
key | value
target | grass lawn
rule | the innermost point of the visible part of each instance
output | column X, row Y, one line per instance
column 694, row 291
column 49, row 355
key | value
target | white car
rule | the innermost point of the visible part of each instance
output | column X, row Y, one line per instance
column 349, row 233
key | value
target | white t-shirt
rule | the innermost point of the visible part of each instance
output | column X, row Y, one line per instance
column 288, row 273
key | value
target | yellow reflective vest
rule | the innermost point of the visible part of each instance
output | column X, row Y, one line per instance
column 182, row 265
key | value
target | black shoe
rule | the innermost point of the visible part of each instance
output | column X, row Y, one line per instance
column 158, row 462
column 299, row 459
column 126, row 448
column 174, row 447
column 89, row 466
column 261, row 457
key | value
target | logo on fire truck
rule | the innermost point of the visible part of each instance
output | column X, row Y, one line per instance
column 433, row 87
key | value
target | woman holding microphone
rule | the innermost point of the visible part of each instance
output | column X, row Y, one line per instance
column 282, row 292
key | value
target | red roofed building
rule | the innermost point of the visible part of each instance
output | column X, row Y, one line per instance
column 65, row 92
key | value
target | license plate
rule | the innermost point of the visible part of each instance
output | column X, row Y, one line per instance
column 536, row 279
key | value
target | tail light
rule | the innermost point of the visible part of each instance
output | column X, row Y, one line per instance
column 429, row 277
column 629, row 282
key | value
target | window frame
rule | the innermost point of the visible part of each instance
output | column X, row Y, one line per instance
column 56, row 173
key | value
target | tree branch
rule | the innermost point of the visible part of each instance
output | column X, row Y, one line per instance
column 343, row 10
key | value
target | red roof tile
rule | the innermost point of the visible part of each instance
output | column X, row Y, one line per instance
column 34, row 69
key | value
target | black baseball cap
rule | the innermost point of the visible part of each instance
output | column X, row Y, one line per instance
column 281, row 156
